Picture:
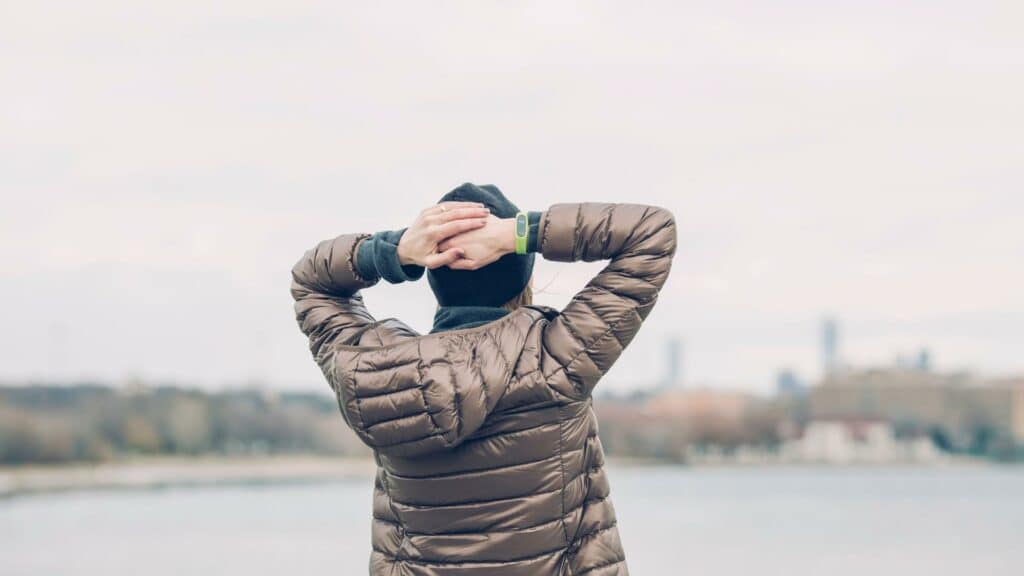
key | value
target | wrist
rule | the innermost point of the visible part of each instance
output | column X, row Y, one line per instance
column 508, row 235
column 384, row 258
column 404, row 258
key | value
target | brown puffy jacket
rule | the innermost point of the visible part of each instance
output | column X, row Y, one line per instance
column 488, row 459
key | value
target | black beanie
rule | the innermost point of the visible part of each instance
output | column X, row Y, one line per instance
column 494, row 284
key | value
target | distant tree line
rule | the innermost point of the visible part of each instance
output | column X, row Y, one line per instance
column 53, row 424
column 90, row 423
column 629, row 428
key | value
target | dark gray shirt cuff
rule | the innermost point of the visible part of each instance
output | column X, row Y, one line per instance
column 533, row 223
column 378, row 258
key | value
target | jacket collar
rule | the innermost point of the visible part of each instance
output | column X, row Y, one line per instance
column 455, row 317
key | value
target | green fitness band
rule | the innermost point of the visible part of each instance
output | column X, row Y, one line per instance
column 522, row 232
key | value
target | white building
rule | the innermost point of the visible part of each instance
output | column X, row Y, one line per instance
column 856, row 442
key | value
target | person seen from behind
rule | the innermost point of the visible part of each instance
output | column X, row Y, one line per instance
column 483, row 430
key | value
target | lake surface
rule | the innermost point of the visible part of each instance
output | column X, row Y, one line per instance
column 729, row 522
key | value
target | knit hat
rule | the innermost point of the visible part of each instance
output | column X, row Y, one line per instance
column 491, row 285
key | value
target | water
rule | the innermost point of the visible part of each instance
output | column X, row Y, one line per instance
column 673, row 521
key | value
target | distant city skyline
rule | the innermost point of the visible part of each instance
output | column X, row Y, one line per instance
column 163, row 167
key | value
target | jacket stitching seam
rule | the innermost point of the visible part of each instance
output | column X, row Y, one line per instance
column 544, row 234
column 475, row 366
column 355, row 395
column 387, row 392
column 468, row 562
column 618, row 560
column 426, row 406
column 457, row 401
column 380, row 446
column 497, row 347
column 494, row 500
column 470, row 502
column 516, row 431
column 479, row 470
column 571, row 327
column 565, row 367
column 597, row 531
column 624, row 296
column 607, row 232
column 561, row 460
column 516, row 530
column 578, row 241
column 401, row 525
column 396, row 418
column 351, row 261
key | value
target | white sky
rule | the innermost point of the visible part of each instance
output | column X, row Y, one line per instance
column 163, row 164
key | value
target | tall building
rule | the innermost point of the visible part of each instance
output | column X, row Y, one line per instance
column 924, row 360
column 829, row 345
column 674, row 367
column 788, row 383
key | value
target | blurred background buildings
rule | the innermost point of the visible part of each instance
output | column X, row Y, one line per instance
column 903, row 413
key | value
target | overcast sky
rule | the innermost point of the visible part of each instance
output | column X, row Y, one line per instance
column 163, row 165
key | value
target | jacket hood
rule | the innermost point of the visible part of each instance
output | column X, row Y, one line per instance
column 407, row 394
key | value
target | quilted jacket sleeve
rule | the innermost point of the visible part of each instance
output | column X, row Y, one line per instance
column 325, row 285
column 583, row 342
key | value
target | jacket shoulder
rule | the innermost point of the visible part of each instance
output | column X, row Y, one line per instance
column 384, row 333
column 546, row 312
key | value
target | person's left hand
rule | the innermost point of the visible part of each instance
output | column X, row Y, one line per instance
column 481, row 246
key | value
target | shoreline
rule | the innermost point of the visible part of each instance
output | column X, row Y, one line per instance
column 172, row 472
column 163, row 472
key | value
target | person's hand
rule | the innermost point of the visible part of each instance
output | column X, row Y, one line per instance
column 434, row 225
column 483, row 245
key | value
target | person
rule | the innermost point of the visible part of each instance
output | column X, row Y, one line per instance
column 483, row 431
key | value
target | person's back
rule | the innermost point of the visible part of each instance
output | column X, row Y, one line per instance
column 483, row 431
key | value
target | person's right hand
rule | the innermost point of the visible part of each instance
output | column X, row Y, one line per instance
column 434, row 225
